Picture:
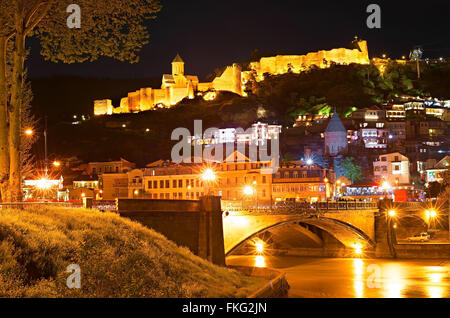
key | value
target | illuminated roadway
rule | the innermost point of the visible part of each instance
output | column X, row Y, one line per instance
column 357, row 278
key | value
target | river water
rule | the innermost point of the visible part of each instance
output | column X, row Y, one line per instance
column 357, row 278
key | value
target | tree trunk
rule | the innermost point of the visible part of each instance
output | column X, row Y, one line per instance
column 4, row 151
column 15, row 175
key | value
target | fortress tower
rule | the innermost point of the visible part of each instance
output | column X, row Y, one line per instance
column 178, row 65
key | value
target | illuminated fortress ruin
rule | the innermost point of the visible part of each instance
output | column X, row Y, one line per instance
column 177, row 86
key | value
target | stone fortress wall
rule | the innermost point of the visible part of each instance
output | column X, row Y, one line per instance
column 177, row 86
column 282, row 64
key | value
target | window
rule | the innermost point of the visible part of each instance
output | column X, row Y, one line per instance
column 149, row 184
column 383, row 158
column 161, row 184
column 264, row 179
column 180, row 183
column 155, row 184
column 174, row 183
column 167, row 184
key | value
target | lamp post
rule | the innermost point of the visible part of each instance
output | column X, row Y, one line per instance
column 248, row 191
column 30, row 132
column 255, row 184
column 391, row 232
column 208, row 176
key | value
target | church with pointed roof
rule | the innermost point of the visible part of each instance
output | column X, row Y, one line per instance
column 335, row 137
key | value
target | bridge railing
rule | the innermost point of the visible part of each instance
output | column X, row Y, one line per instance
column 345, row 205
column 316, row 207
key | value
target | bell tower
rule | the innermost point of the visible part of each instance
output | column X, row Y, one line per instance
column 178, row 65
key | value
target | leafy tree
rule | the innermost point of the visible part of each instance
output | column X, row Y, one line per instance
column 111, row 28
column 349, row 168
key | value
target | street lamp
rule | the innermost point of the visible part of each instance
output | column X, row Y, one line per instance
column 208, row 176
column 56, row 163
column 357, row 248
column 392, row 238
column 30, row 132
column 259, row 246
column 430, row 215
column 248, row 190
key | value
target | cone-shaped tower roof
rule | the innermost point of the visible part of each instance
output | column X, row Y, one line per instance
column 335, row 124
column 178, row 59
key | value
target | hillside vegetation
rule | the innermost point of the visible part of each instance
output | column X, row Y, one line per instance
column 117, row 258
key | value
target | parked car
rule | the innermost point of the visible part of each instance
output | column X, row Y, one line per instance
column 422, row 237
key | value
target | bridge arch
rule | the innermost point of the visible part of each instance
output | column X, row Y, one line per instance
column 239, row 229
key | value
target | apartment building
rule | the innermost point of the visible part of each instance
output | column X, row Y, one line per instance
column 392, row 168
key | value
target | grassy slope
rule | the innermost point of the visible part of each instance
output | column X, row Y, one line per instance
column 117, row 257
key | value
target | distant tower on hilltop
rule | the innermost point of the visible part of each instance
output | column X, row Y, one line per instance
column 178, row 65
column 335, row 137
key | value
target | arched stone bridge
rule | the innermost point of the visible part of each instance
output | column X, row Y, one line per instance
column 350, row 227
column 211, row 233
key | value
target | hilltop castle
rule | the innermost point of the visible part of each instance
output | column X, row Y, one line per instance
column 174, row 88
column 177, row 86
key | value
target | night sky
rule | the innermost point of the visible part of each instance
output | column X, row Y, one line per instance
column 212, row 33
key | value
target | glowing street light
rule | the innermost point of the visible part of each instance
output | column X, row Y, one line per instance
column 430, row 213
column 385, row 186
column 248, row 190
column 309, row 162
column 259, row 246
column 43, row 184
column 29, row 132
column 209, row 175
column 392, row 213
column 357, row 248
column 56, row 163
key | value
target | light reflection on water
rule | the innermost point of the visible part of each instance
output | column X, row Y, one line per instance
column 393, row 282
column 260, row 261
column 359, row 281
column 331, row 277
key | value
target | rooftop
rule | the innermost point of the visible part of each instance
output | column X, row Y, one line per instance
column 335, row 124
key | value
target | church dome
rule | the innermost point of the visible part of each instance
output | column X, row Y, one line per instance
column 335, row 124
